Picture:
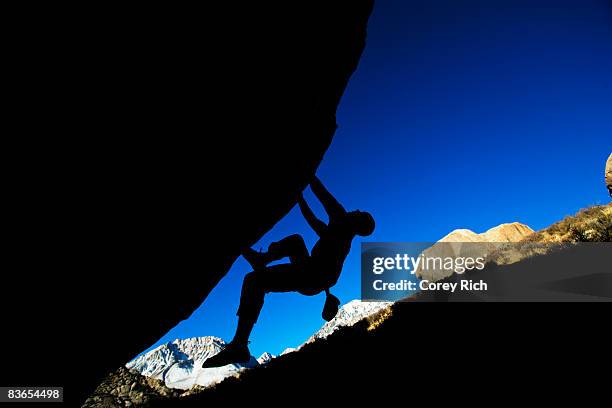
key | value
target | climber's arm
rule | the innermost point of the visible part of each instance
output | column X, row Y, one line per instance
column 316, row 224
column 331, row 205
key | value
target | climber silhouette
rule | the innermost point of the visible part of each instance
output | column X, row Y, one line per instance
column 308, row 274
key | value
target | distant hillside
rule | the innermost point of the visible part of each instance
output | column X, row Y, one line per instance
column 509, row 232
column 469, row 243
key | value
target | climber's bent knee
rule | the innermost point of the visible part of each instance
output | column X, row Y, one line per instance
column 290, row 242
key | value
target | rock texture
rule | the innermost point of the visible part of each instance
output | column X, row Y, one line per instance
column 609, row 174
column 170, row 139
column 127, row 388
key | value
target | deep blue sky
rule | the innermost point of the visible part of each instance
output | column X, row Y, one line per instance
column 460, row 115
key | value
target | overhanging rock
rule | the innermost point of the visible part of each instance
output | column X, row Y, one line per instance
column 179, row 137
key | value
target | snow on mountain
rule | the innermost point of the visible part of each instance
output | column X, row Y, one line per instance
column 348, row 315
column 179, row 363
column 265, row 358
column 156, row 362
column 288, row 350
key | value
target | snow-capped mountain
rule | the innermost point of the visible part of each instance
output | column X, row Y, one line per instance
column 158, row 361
column 288, row 350
column 348, row 315
column 179, row 363
column 265, row 358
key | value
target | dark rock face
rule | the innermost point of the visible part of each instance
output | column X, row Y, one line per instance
column 172, row 139
column 126, row 388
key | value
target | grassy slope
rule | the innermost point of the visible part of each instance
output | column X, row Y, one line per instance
column 592, row 224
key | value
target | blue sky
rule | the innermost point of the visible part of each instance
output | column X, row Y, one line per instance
column 460, row 115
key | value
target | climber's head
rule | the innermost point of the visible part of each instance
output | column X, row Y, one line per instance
column 362, row 223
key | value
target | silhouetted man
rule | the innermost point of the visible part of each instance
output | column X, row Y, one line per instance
column 308, row 274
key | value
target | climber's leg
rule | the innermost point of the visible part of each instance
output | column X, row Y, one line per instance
column 277, row 278
column 292, row 246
